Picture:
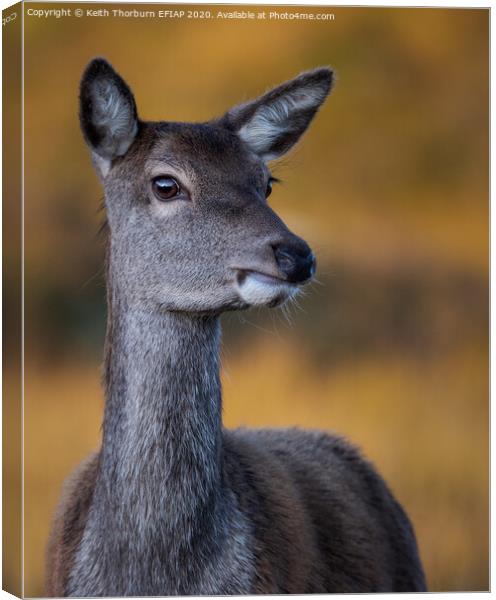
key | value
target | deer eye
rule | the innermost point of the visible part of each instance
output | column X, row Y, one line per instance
column 268, row 190
column 165, row 188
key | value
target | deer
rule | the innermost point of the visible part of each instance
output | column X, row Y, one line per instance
column 173, row 503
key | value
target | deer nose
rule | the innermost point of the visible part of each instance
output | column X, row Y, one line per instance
column 296, row 262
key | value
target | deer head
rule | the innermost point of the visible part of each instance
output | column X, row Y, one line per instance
column 190, row 226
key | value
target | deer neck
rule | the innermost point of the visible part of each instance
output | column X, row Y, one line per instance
column 160, row 511
column 161, row 452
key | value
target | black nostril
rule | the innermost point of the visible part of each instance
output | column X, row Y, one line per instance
column 297, row 263
column 285, row 259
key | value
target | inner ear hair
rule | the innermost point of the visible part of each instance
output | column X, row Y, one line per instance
column 273, row 123
column 108, row 114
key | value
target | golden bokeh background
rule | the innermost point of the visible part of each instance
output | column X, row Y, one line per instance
column 390, row 188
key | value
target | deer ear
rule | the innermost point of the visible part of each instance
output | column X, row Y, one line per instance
column 107, row 112
column 273, row 123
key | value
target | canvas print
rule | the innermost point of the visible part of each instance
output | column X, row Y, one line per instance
column 246, row 270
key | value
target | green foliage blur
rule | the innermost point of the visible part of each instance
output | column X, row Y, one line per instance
column 389, row 187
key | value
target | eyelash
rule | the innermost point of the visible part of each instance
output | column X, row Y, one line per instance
column 182, row 192
column 269, row 185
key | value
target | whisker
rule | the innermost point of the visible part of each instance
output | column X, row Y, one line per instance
column 99, row 273
column 245, row 321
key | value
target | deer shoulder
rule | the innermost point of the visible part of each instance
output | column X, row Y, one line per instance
column 68, row 524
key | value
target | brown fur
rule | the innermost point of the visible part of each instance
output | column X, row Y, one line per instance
column 313, row 517
column 68, row 525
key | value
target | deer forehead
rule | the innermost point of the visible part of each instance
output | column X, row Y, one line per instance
column 204, row 153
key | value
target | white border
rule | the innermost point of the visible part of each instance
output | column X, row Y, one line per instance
column 364, row 3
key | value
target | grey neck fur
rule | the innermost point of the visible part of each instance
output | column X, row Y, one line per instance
column 160, row 512
column 163, row 395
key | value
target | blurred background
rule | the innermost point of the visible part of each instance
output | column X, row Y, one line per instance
column 389, row 187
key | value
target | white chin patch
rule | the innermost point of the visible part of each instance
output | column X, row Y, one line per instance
column 261, row 290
